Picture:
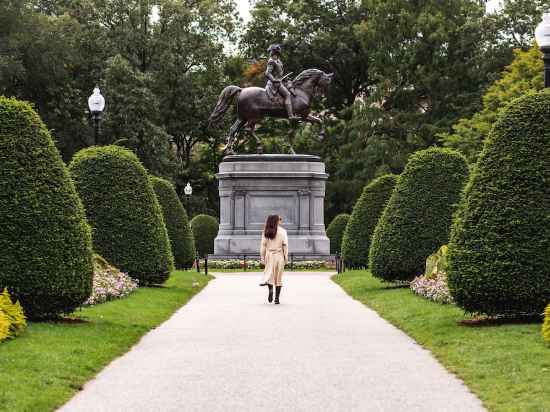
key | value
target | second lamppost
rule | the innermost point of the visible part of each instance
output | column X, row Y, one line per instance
column 542, row 34
column 96, row 104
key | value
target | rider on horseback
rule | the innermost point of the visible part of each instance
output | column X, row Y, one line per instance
column 276, row 84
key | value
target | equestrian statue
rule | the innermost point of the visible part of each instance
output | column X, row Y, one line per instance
column 281, row 98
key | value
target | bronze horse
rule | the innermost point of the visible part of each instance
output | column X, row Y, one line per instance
column 253, row 104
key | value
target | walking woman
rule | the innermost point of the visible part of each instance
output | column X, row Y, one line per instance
column 274, row 255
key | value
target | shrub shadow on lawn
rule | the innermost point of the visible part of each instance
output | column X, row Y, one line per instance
column 64, row 320
column 479, row 322
column 390, row 286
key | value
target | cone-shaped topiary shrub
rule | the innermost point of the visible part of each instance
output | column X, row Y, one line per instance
column 363, row 220
column 417, row 219
column 121, row 205
column 46, row 258
column 205, row 230
column 499, row 254
column 177, row 223
column 335, row 232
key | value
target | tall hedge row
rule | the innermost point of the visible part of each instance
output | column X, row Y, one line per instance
column 177, row 223
column 335, row 232
column 205, row 230
column 121, row 205
column 499, row 254
column 418, row 217
column 363, row 220
column 45, row 242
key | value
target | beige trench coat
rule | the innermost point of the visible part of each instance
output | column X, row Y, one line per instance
column 274, row 253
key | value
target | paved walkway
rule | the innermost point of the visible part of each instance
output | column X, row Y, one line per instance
column 319, row 350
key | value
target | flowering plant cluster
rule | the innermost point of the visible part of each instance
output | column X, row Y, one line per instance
column 12, row 318
column 109, row 283
column 232, row 264
column 255, row 264
column 311, row 264
column 434, row 288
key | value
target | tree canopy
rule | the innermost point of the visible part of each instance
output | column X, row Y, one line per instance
column 161, row 66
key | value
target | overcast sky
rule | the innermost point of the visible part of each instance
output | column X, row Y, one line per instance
column 244, row 7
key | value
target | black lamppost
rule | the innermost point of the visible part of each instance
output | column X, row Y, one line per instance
column 542, row 34
column 96, row 104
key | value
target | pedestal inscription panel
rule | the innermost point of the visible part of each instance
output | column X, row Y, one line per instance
column 262, row 204
column 252, row 187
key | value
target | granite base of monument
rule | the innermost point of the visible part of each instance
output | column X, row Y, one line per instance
column 251, row 187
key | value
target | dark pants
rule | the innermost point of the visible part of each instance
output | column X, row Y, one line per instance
column 283, row 91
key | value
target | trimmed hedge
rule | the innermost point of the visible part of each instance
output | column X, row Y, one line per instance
column 335, row 232
column 177, row 223
column 124, row 212
column 45, row 242
column 418, row 217
column 363, row 220
column 499, row 254
column 205, row 230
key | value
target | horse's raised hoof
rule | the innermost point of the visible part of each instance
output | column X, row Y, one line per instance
column 260, row 150
column 292, row 152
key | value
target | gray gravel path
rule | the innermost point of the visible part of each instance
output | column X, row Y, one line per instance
column 228, row 350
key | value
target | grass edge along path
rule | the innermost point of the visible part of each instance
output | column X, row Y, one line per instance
column 45, row 366
column 506, row 366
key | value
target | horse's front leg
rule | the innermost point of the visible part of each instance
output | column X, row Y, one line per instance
column 317, row 120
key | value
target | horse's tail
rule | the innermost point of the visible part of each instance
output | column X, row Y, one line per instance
column 224, row 101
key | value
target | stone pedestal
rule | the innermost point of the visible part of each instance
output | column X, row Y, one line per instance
column 252, row 187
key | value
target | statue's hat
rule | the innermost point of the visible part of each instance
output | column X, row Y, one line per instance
column 274, row 47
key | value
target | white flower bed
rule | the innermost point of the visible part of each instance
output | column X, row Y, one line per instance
column 255, row 264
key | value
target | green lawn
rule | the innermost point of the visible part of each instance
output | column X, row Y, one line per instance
column 43, row 368
column 507, row 366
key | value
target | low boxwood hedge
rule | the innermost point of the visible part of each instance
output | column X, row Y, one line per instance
column 205, row 230
column 335, row 232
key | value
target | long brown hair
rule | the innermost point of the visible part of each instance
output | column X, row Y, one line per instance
column 271, row 224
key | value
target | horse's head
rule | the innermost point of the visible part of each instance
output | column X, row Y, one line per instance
column 324, row 83
column 313, row 81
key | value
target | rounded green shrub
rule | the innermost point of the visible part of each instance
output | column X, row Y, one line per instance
column 418, row 217
column 205, row 230
column 335, row 232
column 499, row 254
column 363, row 220
column 46, row 258
column 177, row 223
column 121, row 205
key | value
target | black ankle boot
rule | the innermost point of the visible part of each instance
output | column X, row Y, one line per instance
column 277, row 294
column 270, row 296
